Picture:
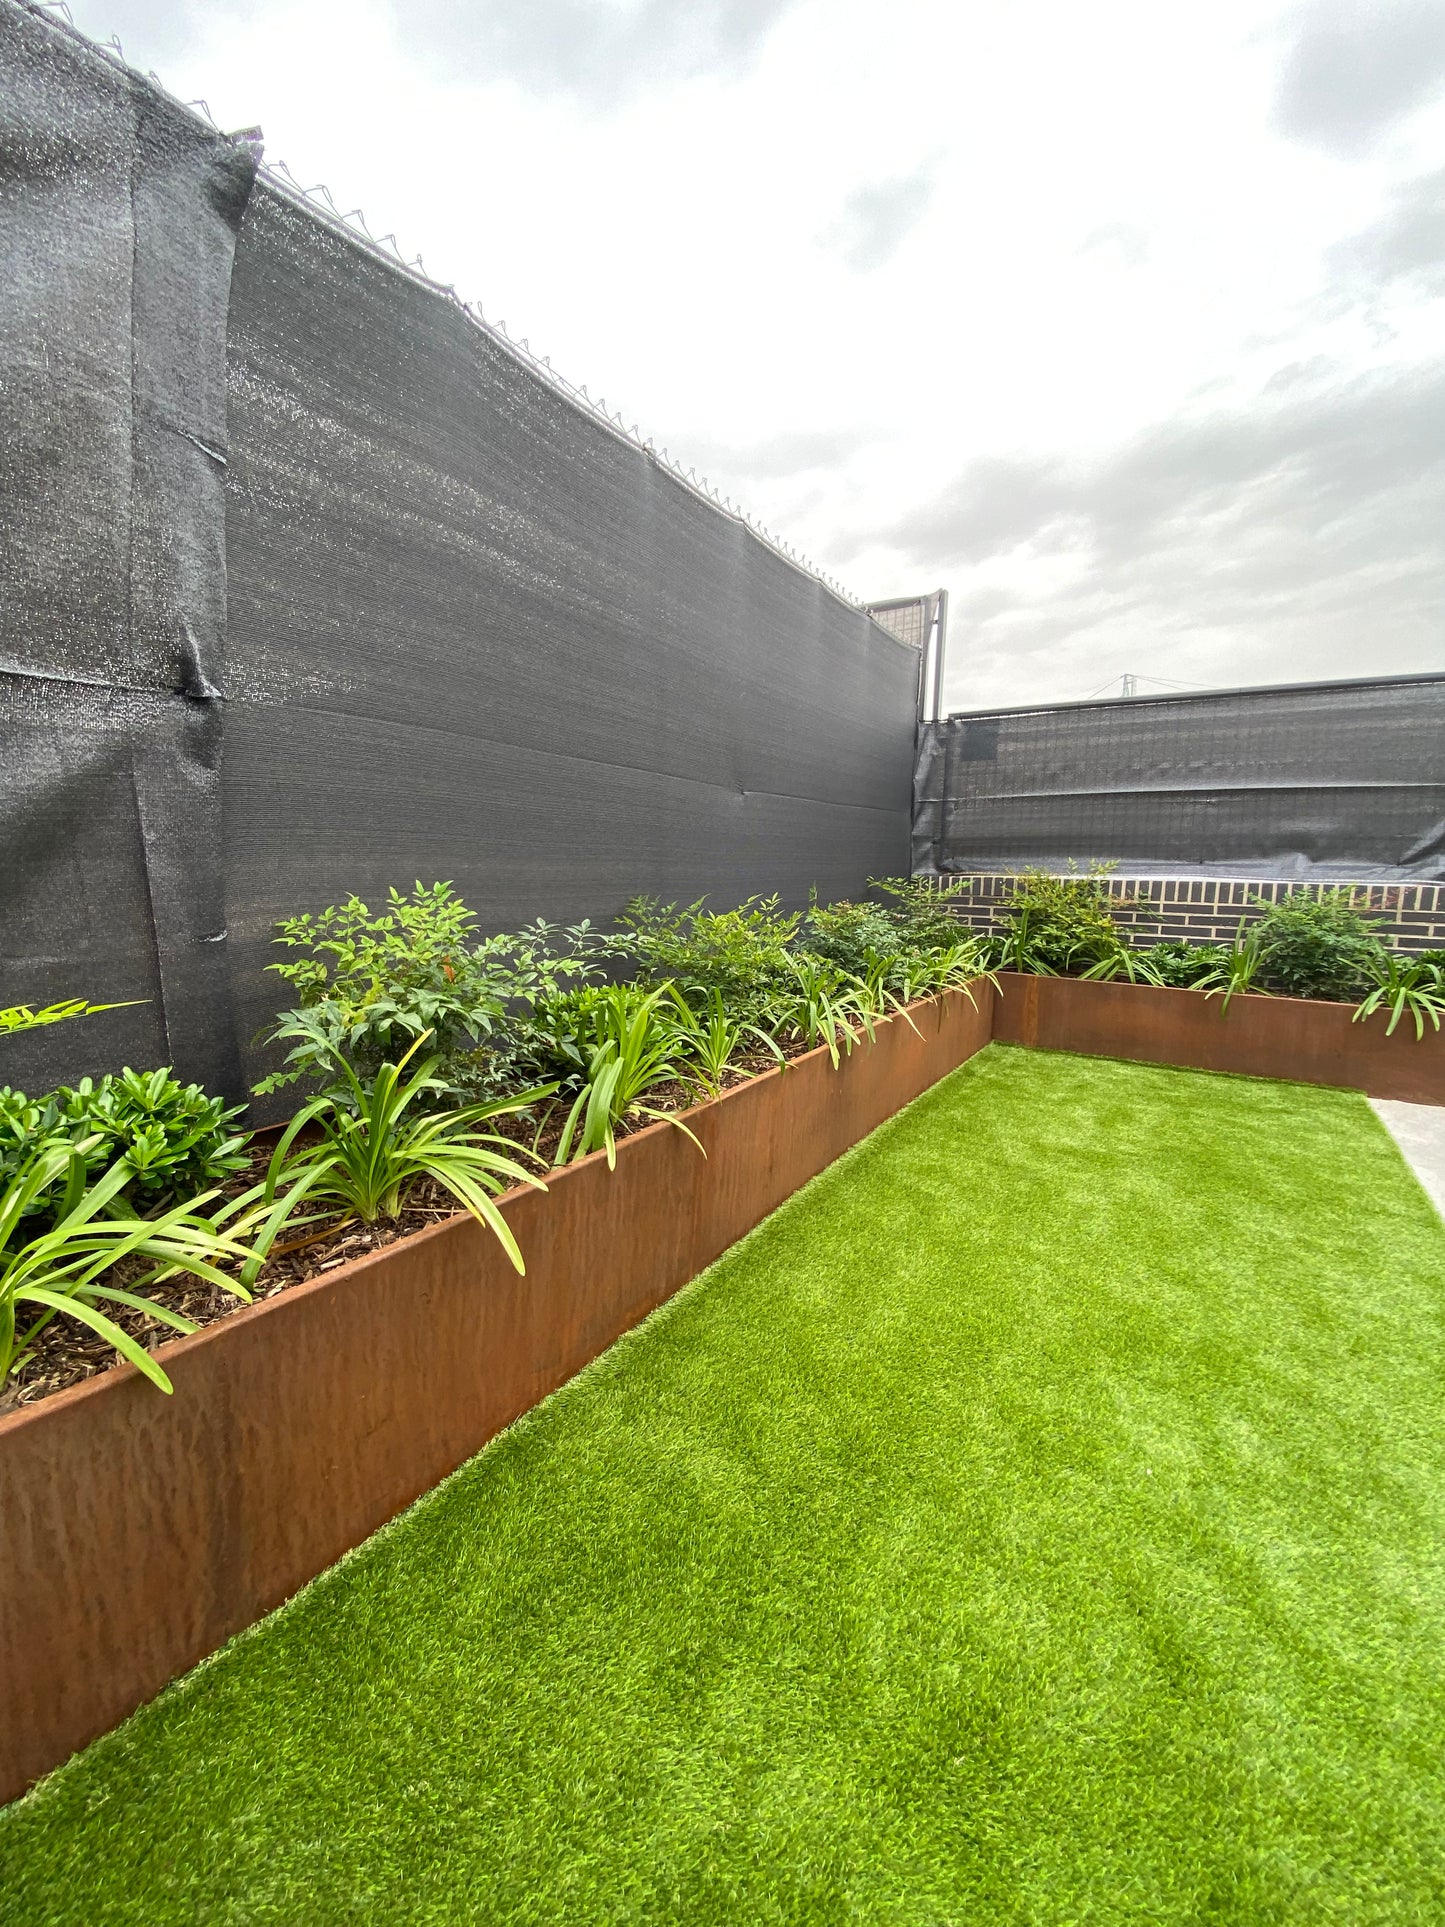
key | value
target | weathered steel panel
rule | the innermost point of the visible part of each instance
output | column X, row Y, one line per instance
column 1285, row 1037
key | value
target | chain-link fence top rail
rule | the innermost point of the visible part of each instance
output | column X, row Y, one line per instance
column 1326, row 779
column 408, row 609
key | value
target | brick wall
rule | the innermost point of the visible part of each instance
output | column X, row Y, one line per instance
column 1208, row 909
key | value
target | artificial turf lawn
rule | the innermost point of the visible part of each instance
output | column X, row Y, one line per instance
column 1037, row 1520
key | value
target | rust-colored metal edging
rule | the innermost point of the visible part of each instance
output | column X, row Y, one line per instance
column 1292, row 1038
column 141, row 1532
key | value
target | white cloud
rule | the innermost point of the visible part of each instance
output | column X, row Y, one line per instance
column 902, row 278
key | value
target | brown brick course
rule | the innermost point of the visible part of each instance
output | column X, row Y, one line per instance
column 1209, row 909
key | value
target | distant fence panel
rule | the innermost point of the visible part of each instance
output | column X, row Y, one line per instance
column 1329, row 779
column 313, row 586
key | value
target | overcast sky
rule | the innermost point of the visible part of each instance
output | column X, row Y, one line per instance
column 1124, row 322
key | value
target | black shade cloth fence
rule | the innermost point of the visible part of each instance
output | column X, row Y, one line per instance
column 1317, row 780
column 311, row 585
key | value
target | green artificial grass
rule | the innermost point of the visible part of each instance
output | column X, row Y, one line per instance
column 1037, row 1520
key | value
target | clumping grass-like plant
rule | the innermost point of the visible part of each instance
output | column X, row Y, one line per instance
column 1405, row 986
column 820, row 1007
column 627, row 1047
column 1238, row 970
column 706, row 1041
column 959, row 967
column 374, row 1144
column 18, row 1017
column 63, row 1268
column 1134, row 966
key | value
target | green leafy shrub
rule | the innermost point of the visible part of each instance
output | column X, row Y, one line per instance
column 920, row 913
column 1318, row 947
column 371, row 984
column 1183, row 965
column 901, row 935
column 741, row 953
column 175, row 1139
column 851, row 936
column 1057, row 924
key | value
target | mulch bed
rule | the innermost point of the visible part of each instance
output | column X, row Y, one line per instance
column 68, row 1352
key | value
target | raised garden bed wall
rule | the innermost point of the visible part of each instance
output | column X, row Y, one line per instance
column 141, row 1532
column 1285, row 1037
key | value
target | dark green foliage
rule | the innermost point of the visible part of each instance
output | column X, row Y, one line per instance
column 1184, row 965
column 852, row 936
column 741, row 953
column 175, row 1139
column 1318, row 947
column 1036, row 1521
column 372, row 984
column 919, row 911
column 916, row 923
column 1059, row 925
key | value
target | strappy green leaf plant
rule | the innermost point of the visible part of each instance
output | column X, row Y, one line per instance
column 64, row 1268
column 958, row 967
column 1122, row 963
column 627, row 1044
column 18, row 1017
column 1239, row 969
column 707, row 1041
column 373, row 1141
column 818, row 1007
column 1023, row 948
column 1410, row 987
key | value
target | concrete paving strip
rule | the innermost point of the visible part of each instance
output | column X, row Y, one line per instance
column 1419, row 1130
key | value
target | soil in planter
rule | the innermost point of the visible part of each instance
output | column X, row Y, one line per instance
column 68, row 1352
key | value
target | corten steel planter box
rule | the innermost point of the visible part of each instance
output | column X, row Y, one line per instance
column 1285, row 1037
column 140, row 1532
